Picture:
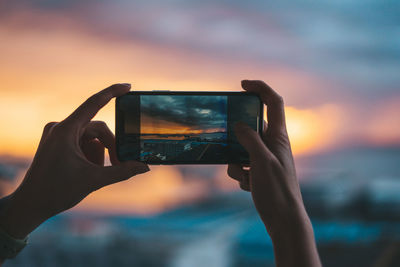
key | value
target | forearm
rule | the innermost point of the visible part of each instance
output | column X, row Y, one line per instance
column 294, row 242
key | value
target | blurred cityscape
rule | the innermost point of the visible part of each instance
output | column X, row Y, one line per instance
column 204, row 147
column 351, row 195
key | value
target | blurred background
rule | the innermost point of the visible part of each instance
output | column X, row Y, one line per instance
column 336, row 63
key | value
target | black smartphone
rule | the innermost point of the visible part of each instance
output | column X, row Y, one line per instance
column 171, row 127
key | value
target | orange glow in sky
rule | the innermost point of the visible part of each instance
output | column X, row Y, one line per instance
column 150, row 126
column 153, row 192
column 311, row 130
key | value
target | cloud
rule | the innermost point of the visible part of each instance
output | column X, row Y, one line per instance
column 197, row 112
column 354, row 43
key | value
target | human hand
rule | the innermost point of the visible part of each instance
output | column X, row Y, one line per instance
column 68, row 166
column 273, row 184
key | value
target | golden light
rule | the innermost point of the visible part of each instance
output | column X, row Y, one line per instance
column 149, row 193
column 311, row 130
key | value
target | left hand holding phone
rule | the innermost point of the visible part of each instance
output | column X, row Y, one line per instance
column 68, row 166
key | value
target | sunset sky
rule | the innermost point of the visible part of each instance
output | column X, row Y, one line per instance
column 336, row 63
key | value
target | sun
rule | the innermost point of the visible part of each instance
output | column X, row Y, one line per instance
column 311, row 130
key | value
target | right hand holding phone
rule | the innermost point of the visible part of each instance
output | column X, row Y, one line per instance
column 273, row 184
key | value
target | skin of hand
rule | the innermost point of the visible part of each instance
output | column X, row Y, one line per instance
column 273, row 183
column 68, row 166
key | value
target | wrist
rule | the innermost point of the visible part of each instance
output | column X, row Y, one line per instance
column 297, row 227
column 293, row 239
column 18, row 217
column 288, row 224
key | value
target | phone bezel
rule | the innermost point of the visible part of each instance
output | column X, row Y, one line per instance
column 118, row 121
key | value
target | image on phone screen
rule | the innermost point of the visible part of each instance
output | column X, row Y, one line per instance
column 184, row 128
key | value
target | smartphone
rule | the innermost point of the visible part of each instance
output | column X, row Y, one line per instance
column 171, row 127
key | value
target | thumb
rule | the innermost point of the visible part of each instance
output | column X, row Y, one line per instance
column 122, row 171
column 251, row 141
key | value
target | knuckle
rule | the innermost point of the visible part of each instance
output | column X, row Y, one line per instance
column 277, row 100
column 229, row 172
column 100, row 124
column 281, row 138
column 260, row 83
column 62, row 128
column 232, row 174
column 259, row 156
column 104, row 96
column 95, row 100
column 48, row 126
column 284, row 141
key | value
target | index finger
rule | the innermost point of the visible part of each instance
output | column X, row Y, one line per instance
column 274, row 102
column 85, row 112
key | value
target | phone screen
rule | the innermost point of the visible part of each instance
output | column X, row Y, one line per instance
column 184, row 127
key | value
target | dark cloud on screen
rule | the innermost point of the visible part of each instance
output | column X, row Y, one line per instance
column 197, row 112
